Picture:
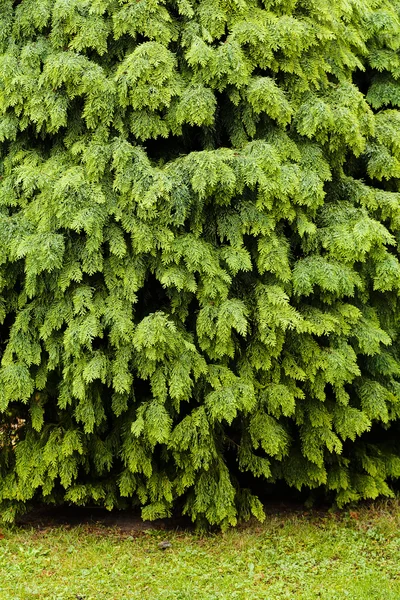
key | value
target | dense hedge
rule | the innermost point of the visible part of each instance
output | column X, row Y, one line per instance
column 199, row 252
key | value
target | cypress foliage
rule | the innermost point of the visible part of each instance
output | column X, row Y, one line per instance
column 199, row 257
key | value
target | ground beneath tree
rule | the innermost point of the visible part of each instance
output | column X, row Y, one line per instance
column 130, row 522
column 127, row 521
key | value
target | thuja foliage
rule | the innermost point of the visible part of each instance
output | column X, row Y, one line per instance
column 199, row 252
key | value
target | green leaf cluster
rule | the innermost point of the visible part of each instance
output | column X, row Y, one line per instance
column 199, row 252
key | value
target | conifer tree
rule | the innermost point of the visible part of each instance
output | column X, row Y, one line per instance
column 199, row 257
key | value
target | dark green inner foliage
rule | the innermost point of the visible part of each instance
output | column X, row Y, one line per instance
column 199, row 252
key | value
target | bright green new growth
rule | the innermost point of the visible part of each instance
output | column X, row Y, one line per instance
column 199, row 265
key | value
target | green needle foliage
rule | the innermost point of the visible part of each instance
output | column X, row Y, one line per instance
column 199, row 252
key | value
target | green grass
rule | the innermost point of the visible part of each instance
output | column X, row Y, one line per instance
column 301, row 556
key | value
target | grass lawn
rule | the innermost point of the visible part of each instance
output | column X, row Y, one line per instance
column 301, row 556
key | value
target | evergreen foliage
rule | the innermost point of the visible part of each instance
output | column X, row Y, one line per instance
column 199, row 258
